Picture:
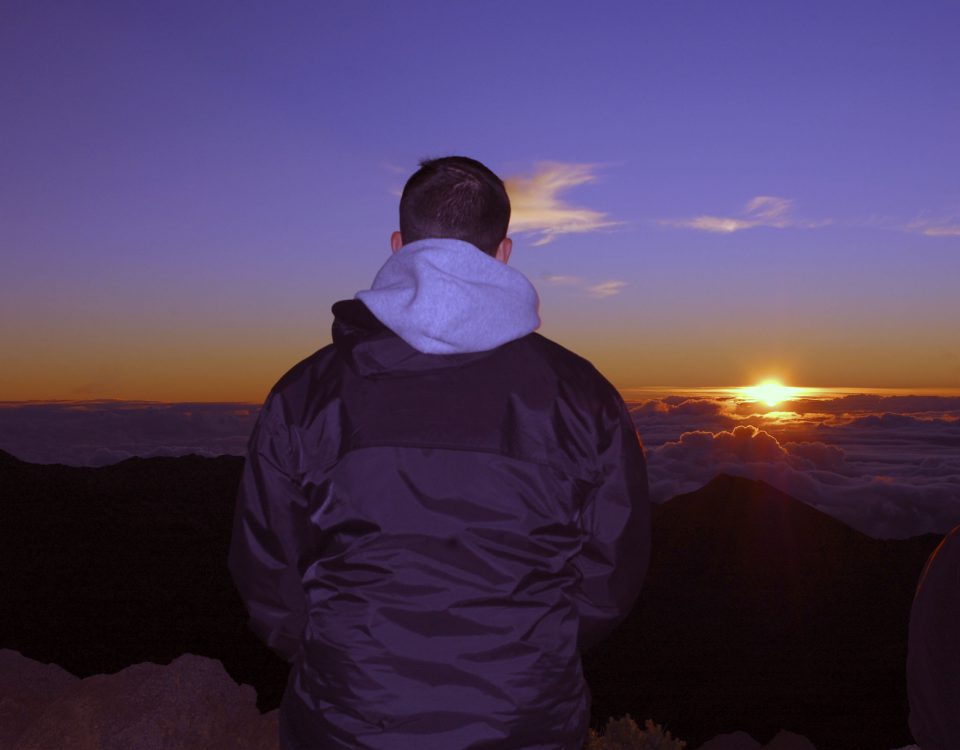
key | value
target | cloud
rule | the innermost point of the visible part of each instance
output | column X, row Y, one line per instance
column 606, row 288
column 537, row 208
column 935, row 227
column 888, row 466
column 745, row 443
column 600, row 291
column 886, row 472
column 762, row 211
column 881, row 497
column 868, row 403
column 560, row 280
column 101, row 432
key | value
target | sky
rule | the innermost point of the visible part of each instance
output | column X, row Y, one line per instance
column 705, row 193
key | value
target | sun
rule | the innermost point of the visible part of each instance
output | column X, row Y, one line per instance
column 771, row 392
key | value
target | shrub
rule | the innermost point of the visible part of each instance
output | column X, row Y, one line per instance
column 624, row 734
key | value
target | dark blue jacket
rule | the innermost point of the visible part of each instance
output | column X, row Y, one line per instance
column 432, row 539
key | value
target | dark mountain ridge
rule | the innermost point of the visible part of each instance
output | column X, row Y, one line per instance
column 759, row 612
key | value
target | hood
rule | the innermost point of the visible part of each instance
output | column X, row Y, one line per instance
column 446, row 296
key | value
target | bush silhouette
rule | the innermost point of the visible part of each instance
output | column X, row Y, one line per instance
column 624, row 734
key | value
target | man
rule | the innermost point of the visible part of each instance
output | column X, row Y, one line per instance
column 442, row 508
column 933, row 650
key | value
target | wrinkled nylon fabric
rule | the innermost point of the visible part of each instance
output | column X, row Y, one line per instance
column 432, row 540
column 933, row 650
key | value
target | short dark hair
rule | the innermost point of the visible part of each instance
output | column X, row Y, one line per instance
column 456, row 197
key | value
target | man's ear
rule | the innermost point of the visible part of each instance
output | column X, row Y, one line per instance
column 396, row 241
column 503, row 249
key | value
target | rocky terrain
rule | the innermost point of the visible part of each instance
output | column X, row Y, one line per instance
column 193, row 704
column 190, row 703
column 759, row 614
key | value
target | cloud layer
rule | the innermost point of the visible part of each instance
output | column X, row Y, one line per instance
column 98, row 433
column 886, row 465
column 536, row 206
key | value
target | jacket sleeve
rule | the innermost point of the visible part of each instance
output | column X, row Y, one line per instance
column 263, row 550
column 615, row 555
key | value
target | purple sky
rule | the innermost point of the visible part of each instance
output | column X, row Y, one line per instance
column 705, row 193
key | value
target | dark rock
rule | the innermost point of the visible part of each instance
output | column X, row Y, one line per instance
column 742, row 741
column 125, row 564
column 759, row 612
column 26, row 687
column 731, row 741
column 789, row 741
column 190, row 704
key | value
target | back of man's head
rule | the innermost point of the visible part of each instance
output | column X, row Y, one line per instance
column 455, row 197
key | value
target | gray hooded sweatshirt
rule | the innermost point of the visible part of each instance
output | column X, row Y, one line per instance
column 446, row 296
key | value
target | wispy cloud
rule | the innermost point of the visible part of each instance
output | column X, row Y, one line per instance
column 606, row 288
column 599, row 290
column 762, row 211
column 537, row 207
column 560, row 280
column 936, row 227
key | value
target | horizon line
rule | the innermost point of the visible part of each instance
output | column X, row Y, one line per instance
column 637, row 389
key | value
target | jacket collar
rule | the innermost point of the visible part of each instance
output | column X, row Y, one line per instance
column 372, row 349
